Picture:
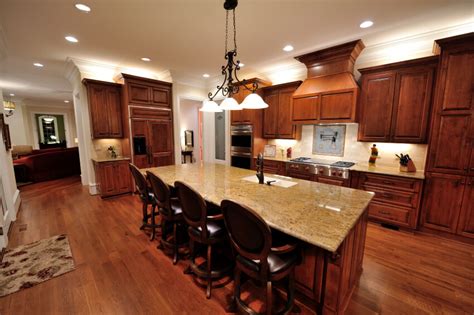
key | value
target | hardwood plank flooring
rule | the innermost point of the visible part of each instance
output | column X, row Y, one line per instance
column 119, row 271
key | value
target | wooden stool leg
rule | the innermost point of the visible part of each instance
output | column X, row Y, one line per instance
column 163, row 233
column 175, row 244
column 269, row 298
column 153, row 228
column 291, row 292
column 145, row 215
column 209, row 270
column 188, row 270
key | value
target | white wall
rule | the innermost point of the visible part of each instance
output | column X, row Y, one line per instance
column 12, row 194
column 189, row 120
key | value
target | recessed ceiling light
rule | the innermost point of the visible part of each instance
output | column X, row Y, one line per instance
column 71, row 39
column 366, row 24
column 288, row 48
column 66, row 101
column 241, row 65
column 11, row 94
column 39, row 65
column 206, row 75
column 146, row 59
column 82, row 7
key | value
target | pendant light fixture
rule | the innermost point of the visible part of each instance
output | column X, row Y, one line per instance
column 231, row 84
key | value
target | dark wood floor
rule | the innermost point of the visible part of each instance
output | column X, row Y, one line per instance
column 119, row 271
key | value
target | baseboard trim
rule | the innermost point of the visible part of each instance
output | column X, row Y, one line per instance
column 94, row 189
column 16, row 202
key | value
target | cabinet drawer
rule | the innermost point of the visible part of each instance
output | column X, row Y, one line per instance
column 396, row 215
column 396, row 183
column 401, row 198
column 149, row 113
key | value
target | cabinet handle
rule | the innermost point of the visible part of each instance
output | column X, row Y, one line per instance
column 472, row 169
column 384, row 212
column 388, row 182
column 387, row 195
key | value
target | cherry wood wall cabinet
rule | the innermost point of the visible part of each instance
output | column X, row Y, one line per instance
column 277, row 121
column 330, row 92
column 105, row 108
column 248, row 116
column 113, row 177
column 397, row 199
column 448, row 196
column 395, row 101
column 148, row 116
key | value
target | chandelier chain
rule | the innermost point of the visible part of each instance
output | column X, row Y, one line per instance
column 226, row 30
column 235, row 32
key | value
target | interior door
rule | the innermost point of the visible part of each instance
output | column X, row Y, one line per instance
column 160, row 142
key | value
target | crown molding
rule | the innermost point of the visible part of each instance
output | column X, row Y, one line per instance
column 408, row 47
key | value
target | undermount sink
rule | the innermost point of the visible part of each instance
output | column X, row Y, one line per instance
column 276, row 181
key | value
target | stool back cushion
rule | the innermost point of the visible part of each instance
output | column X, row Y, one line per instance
column 193, row 205
column 249, row 233
column 161, row 191
column 140, row 180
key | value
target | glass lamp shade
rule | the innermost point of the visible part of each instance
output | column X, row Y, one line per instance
column 9, row 105
column 229, row 103
column 254, row 101
column 210, row 107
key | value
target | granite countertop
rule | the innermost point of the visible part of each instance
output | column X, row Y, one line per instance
column 386, row 170
column 316, row 213
column 109, row 159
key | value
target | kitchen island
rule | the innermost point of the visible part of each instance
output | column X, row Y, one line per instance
column 330, row 222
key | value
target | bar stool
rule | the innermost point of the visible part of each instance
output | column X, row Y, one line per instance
column 205, row 228
column 147, row 199
column 257, row 255
column 171, row 215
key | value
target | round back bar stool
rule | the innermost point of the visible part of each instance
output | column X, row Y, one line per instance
column 147, row 199
column 171, row 215
column 205, row 229
column 257, row 256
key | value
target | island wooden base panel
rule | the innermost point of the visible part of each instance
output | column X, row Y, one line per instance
column 119, row 271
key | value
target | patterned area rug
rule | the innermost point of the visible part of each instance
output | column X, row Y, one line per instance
column 31, row 264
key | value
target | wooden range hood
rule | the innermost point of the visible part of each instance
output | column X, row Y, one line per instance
column 329, row 94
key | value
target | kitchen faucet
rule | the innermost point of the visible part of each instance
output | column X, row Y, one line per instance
column 259, row 166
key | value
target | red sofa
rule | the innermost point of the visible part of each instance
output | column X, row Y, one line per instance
column 49, row 164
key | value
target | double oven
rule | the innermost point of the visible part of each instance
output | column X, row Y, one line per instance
column 241, row 146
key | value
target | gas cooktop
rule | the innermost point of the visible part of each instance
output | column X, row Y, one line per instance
column 342, row 164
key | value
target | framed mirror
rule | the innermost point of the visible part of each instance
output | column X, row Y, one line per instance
column 188, row 138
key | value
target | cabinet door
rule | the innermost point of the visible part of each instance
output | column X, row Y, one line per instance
column 138, row 94
column 442, row 200
column 108, row 185
column 306, row 108
column 337, row 106
column 122, row 176
column 99, row 110
column 160, row 139
column 160, row 97
column 457, row 80
column 450, row 146
column 235, row 117
column 466, row 219
column 412, row 105
column 247, row 116
column 376, row 107
column 286, row 129
column 270, row 115
column 114, row 113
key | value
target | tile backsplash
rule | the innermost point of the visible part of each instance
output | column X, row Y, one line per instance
column 100, row 147
column 353, row 150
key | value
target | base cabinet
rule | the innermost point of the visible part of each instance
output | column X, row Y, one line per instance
column 447, row 204
column 113, row 178
column 397, row 200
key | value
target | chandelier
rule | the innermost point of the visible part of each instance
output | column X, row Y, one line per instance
column 231, row 84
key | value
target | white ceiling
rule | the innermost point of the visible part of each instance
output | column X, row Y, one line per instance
column 187, row 36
